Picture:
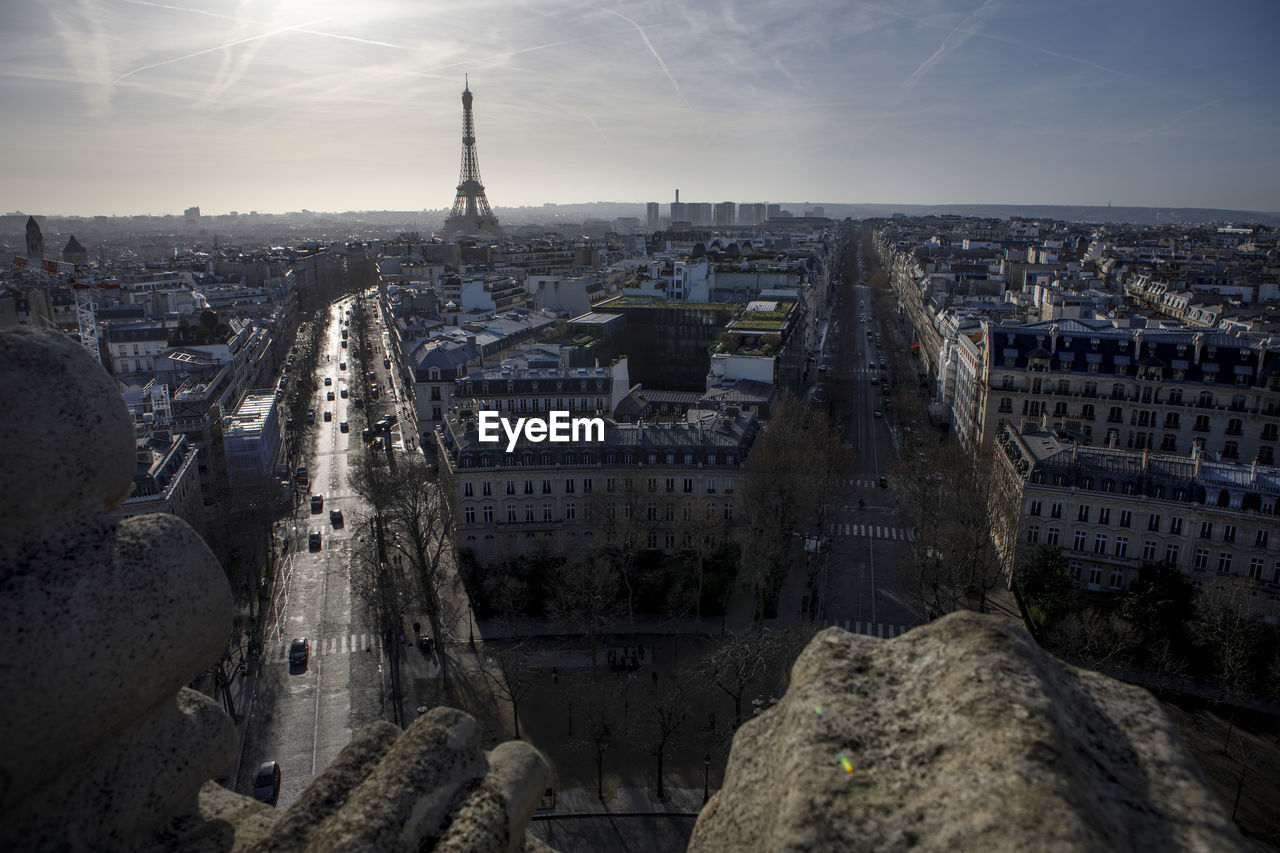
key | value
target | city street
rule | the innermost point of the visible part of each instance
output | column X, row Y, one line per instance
column 865, row 578
column 303, row 715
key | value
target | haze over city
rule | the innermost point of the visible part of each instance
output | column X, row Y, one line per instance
column 133, row 106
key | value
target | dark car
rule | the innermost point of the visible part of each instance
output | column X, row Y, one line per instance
column 266, row 785
column 313, row 541
column 299, row 651
column 335, row 517
column 344, row 393
column 883, row 482
column 317, row 503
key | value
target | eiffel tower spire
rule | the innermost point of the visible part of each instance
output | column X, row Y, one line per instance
column 471, row 213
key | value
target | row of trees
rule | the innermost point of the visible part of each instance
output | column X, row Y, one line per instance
column 604, row 714
column 1162, row 623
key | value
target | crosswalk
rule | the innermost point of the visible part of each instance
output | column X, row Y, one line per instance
column 870, row 629
column 875, row 531
column 860, row 484
column 344, row 644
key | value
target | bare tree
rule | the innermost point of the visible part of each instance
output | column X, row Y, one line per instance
column 586, row 595
column 507, row 670
column 668, row 708
column 739, row 662
column 416, row 531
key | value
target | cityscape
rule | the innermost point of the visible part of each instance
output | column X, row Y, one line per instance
column 428, row 520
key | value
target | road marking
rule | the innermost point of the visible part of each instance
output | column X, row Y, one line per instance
column 882, row 630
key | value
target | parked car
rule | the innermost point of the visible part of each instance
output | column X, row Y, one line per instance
column 311, row 416
column 266, row 784
column 330, row 396
column 884, row 482
column 328, row 380
column 299, row 651
column 313, row 541
column 317, row 503
column 344, row 393
column 342, row 426
column 879, row 414
column 342, row 365
column 335, row 517
column 386, row 362
column 328, row 416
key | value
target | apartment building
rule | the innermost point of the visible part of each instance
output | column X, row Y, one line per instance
column 1133, row 389
column 652, row 485
column 1112, row 511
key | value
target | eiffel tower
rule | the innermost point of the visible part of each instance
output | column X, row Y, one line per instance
column 471, row 214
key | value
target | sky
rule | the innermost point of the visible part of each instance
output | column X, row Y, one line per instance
column 122, row 107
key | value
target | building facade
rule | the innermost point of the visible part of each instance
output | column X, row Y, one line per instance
column 1163, row 389
column 1112, row 512
column 648, row 486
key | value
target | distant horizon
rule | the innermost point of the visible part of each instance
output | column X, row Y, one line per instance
column 793, row 206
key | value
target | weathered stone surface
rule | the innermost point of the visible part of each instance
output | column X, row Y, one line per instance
column 493, row 818
column 67, row 432
column 959, row 735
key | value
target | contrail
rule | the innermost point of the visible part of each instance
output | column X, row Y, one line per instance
column 652, row 50
column 216, row 48
column 950, row 42
column 1177, row 118
column 240, row 20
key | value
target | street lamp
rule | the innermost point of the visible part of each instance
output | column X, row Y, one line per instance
column 706, row 776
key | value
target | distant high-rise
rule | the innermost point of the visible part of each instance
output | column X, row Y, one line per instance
column 652, row 215
column 723, row 213
column 699, row 212
column 751, row 214
column 35, row 240
column 771, row 211
column 471, row 214
column 191, row 214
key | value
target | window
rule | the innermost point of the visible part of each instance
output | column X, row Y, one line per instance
column 1169, row 444
column 728, row 512
column 1202, row 559
column 1006, row 405
column 688, row 484
column 1201, row 424
column 1033, row 534
column 669, row 512
column 1095, row 577
column 1255, row 569
column 511, row 514
column 1231, row 450
column 469, row 515
column 611, row 511
column 669, row 540
column 1079, row 541
column 1074, row 569
column 528, row 487
column 1172, row 554
column 651, row 512
column 653, row 539
column 711, row 486
column 1126, row 518
column 1122, row 546
column 1117, row 579
column 1115, row 416
column 1087, row 412
column 570, row 512
column 546, row 512
column 586, row 485
column 1149, row 552
column 1206, row 530
column 728, row 487
column 609, row 484
column 467, row 490
column 1175, row 526
column 1228, row 533
column 1055, row 511
column 1269, row 432
column 671, row 484
column 1083, row 513
column 1262, row 538
column 627, row 510
column 1104, row 515
column 1051, row 536
column 1100, row 544
column 546, row 487
column 528, row 513
column 511, row 487
column 1224, row 563
column 686, row 512
column 653, row 484
column 1235, row 427
column 486, row 489
column 1035, row 508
